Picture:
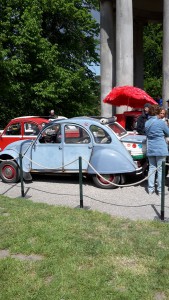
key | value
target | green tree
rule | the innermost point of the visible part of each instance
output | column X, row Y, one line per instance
column 153, row 35
column 45, row 49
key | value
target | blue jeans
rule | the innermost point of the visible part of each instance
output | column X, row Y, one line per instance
column 154, row 162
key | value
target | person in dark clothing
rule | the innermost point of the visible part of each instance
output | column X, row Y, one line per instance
column 159, row 101
column 167, row 109
column 52, row 114
column 142, row 119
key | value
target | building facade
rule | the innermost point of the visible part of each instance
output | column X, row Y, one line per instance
column 121, row 34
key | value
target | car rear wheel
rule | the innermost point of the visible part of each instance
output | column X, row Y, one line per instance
column 102, row 183
column 9, row 171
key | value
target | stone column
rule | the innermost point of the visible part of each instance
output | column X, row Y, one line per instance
column 124, row 44
column 165, row 51
column 106, row 53
column 138, row 55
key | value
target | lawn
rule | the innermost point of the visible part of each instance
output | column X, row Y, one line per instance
column 59, row 253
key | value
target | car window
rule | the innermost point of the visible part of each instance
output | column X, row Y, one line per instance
column 14, row 129
column 100, row 135
column 76, row 135
column 118, row 129
column 31, row 128
column 51, row 134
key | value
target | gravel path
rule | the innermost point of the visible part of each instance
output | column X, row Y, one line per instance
column 130, row 202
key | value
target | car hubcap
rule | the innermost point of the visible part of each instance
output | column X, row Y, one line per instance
column 108, row 177
column 8, row 172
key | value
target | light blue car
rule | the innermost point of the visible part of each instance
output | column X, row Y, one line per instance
column 60, row 144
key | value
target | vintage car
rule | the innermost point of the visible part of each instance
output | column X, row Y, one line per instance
column 21, row 128
column 60, row 144
column 134, row 143
column 128, row 119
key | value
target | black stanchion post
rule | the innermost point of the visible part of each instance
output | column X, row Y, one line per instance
column 21, row 174
column 162, row 190
column 80, row 182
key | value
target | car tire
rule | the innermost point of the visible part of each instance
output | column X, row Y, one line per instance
column 101, row 183
column 9, row 171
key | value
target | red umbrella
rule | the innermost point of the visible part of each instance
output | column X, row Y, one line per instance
column 128, row 95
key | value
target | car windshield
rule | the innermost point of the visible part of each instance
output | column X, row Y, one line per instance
column 117, row 129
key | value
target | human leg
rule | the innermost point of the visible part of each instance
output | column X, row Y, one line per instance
column 151, row 174
column 159, row 160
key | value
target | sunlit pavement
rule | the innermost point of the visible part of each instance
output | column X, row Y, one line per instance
column 131, row 202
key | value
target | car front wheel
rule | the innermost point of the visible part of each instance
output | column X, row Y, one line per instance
column 9, row 172
column 102, row 183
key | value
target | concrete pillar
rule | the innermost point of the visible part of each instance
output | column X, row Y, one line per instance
column 165, row 51
column 138, row 55
column 107, row 55
column 124, row 44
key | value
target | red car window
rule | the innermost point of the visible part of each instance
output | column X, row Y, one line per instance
column 14, row 129
column 31, row 128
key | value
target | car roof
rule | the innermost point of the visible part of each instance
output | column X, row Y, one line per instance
column 83, row 120
column 31, row 118
column 79, row 120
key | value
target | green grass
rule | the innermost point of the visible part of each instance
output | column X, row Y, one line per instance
column 85, row 255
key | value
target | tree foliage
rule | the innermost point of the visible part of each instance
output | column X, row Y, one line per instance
column 46, row 47
column 153, row 35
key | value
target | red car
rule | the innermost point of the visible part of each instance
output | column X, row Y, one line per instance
column 20, row 129
column 128, row 119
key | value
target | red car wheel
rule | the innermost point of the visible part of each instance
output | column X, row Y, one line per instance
column 9, row 171
column 102, row 183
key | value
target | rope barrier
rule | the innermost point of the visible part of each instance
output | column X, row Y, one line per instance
column 88, row 164
column 60, row 167
column 122, row 185
column 12, row 159
column 118, row 185
column 42, row 166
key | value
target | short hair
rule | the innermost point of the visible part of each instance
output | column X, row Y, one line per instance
column 154, row 110
column 147, row 105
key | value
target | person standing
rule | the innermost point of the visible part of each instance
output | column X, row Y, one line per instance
column 162, row 115
column 159, row 101
column 167, row 109
column 157, row 149
column 52, row 114
column 142, row 119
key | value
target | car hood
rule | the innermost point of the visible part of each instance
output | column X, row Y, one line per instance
column 131, row 138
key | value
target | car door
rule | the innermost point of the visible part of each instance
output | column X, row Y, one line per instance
column 46, row 153
column 11, row 133
column 77, row 142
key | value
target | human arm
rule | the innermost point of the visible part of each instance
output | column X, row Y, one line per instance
column 140, row 125
column 166, row 129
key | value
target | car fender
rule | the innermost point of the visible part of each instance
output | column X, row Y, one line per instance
column 12, row 152
column 108, row 161
column 9, row 155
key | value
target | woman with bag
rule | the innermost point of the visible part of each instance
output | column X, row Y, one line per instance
column 157, row 149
